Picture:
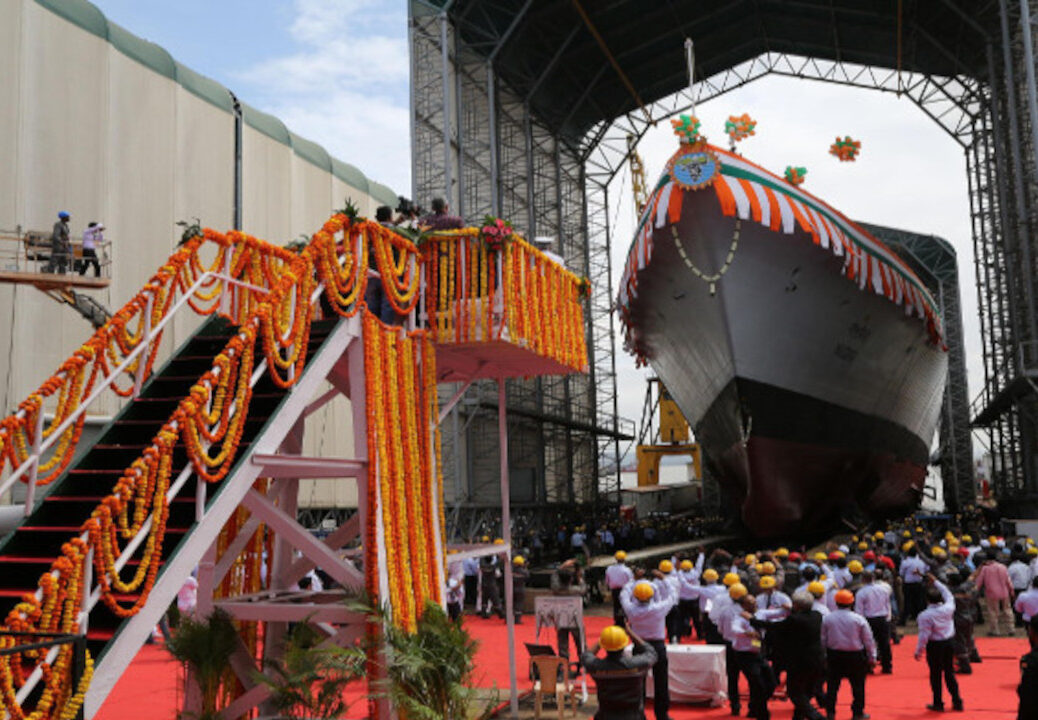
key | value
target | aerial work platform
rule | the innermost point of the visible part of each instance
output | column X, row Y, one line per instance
column 25, row 259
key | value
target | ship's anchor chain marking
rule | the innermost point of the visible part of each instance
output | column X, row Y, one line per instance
column 712, row 279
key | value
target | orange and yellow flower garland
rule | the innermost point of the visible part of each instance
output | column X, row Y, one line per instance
column 541, row 300
column 403, row 489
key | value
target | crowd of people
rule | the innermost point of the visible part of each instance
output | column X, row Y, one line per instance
column 797, row 618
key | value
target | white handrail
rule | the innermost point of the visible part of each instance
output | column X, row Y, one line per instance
column 110, row 379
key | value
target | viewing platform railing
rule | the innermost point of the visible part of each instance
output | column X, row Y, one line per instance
column 476, row 291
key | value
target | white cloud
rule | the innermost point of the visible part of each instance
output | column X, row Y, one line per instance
column 342, row 82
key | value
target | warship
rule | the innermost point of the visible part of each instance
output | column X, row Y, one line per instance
column 807, row 356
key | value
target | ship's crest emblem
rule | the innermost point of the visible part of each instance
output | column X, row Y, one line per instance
column 694, row 167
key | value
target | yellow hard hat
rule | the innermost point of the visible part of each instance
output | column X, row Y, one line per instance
column 767, row 567
column 643, row 590
column 737, row 591
column 686, row 565
column 710, row 574
column 751, row 559
column 854, row 538
column 863, row 545
column 816, row 588
column 759, row 568
column 620, row 556
column 485, row 538
column 1030, row 541
column 767, row 582
column 906, row 534
column 992, row 539
column 820, row 557
column 878, row 535
column 967, row 539
column 782, row 552
column 499, row 541
column 666, row 566
column 918, row 529
column 519, row 560
column 937, row 551
column 1032, row 550
column 731, row 579
column 907, row 546
column 613, row 638
column 855, row 567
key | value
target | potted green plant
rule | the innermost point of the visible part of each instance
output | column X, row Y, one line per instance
column 309, row 680
column 205, row 645
column 428, row 673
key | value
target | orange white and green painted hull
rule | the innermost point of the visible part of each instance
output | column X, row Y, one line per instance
column 807, row 356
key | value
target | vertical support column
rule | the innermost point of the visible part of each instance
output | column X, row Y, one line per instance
column 495, row 171
column 446, row 60
column 506, row 532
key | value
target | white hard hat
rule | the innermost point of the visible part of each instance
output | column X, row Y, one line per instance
column 452, row 583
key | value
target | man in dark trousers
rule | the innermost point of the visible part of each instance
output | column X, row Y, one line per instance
column 872, row 602
column 619, row 678
column 850, row 651
column 1028, row 687
column 60, row 245
column 936, row 635
column 746, row 645
column 799, row 638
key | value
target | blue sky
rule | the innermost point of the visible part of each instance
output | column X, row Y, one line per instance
column 335, row 71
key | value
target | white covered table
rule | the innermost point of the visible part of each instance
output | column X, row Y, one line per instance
column 697, row 674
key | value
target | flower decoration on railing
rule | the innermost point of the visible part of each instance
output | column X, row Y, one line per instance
column 795, row 175
column 584, row 287
column 846, row 149
column 495, row 232
column 686, row 127
column 739, row 128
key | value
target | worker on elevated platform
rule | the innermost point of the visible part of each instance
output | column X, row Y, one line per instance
column 92, row 237
column 60, row 245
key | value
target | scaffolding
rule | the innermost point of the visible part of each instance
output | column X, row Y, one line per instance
column 529, row 107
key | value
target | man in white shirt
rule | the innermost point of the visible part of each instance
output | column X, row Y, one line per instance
column 850, row 651
column 912, row 572
column 1027, row 602
column 688, row 596
column 936, row 631
column 646, row 605
column 709, row 591
column 873, row 603
column 617, row 576
column 1020, row 575
column 746, row 646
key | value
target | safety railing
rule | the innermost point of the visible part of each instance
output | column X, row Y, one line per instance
column 30, row 251
column 476, row 289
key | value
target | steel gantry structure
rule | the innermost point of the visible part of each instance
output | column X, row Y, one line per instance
column 525, row 108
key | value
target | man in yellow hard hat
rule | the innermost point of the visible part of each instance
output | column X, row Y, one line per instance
column 617, row 576
column 619, row 678
column 850, row 653
column 646, row 605
column 724, row 610
column 709, row 591
column 688, row 596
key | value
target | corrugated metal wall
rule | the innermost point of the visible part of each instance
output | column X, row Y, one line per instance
column 109, row 127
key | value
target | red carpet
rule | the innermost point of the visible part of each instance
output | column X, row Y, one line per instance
column 151, row 682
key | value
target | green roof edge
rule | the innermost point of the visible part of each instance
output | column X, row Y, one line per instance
column 350, row 175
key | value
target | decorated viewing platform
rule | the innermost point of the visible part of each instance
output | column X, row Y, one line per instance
column 200, row 468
